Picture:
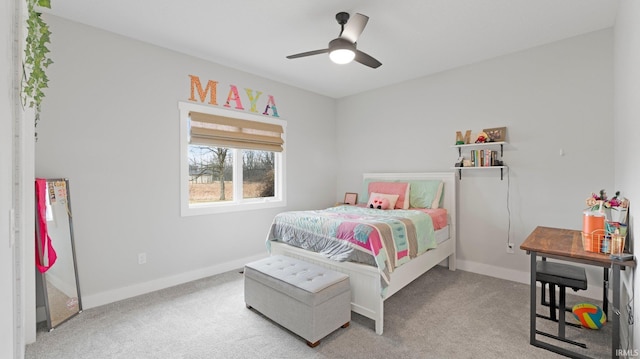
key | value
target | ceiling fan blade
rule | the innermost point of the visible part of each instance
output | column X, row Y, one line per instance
column 367, row 60
column 354, row 27
column 308, row 53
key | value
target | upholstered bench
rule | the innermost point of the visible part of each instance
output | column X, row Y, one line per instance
column 307, row 299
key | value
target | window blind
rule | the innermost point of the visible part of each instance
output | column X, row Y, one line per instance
column 220, row 131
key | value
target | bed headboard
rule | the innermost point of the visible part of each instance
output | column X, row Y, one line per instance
column 449, row 195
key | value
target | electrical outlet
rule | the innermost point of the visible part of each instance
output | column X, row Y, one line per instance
column 510, row 248
column 142, row 258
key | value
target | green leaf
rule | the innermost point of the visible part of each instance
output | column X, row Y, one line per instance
column 36, row 59
column 44, row 3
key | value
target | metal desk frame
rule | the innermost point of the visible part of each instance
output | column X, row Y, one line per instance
column 566, row 245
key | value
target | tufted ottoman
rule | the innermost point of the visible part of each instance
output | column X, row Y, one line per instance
column 309, row 300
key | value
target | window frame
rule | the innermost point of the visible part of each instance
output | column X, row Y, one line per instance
column 238, row 203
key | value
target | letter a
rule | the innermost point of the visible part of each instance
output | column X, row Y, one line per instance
column 234, row 96
column 211, row 88
column 271, row 104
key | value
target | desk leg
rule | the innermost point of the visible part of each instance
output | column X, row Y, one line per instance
column 532, row 301
column 615, row 340
column 532, row 324
column 605, row 284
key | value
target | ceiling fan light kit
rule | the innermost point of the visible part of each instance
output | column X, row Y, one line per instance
column 343, row 49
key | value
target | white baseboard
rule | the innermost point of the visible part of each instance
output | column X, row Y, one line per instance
column 102, row 298
column 94, row 300
column 594, row 291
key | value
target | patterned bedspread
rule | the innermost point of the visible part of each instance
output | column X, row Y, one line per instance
column 392, row 237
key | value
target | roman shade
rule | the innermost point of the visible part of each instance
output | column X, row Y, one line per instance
column 220, row 131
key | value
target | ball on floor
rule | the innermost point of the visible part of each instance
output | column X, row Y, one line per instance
column 590, row 315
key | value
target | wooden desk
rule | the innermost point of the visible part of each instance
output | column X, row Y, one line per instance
column 566, row 245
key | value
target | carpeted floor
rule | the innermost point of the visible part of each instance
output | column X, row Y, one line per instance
column 442, row 314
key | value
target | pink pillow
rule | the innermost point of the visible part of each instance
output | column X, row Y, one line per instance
column 399, row 188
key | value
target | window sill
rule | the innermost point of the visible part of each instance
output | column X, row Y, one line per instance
column 204, row 209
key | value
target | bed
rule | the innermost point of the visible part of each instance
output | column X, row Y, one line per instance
column 375, row 280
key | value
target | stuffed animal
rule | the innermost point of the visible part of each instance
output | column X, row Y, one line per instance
column 379, row 203
column 483, row 138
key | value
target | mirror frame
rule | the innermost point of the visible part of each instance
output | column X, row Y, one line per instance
column 43, row 275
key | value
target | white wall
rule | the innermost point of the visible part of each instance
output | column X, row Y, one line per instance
column 626, row 124
column 110, row 124
column 7, row 294
column 552, row 97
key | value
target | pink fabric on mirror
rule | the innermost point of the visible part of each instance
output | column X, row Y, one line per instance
column 45, row 254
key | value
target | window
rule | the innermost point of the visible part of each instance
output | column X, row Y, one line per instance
column 230, row 161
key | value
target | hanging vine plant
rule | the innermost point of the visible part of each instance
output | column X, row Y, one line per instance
column 36, row 60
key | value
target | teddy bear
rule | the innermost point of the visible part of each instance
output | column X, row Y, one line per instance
column 379, row 203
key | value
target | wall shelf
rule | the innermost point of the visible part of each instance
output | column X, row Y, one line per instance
column 486, row 144
column 481, row 146
column 460, row 169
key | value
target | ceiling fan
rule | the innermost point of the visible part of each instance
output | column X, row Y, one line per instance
column 342, row 49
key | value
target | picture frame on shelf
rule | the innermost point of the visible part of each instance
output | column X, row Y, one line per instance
column 497, row 134
column 351, row 198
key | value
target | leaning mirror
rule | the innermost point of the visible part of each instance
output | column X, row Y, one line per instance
column 56, row 258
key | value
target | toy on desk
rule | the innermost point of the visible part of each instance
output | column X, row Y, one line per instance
column 590, row 316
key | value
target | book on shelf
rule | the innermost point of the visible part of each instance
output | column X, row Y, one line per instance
column 480, row 158
column 484, row 158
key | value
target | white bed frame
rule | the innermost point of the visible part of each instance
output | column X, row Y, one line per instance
column 366, row 298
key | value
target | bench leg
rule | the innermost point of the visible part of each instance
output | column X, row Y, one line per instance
column 552, row 301
column 545, row 302
column 313, row 345
column 561, row 312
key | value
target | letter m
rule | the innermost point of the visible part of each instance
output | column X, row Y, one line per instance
column 210, row 89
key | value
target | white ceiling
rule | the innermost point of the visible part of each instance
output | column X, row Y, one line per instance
column 412, row 38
